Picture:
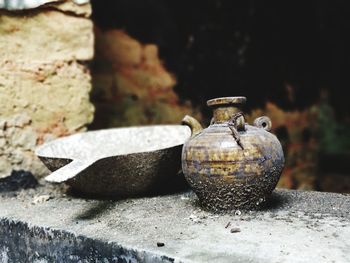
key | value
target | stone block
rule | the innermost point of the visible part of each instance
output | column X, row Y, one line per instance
column 39, row 102
column 44, row 83
column 45, row 36
column 49, row 93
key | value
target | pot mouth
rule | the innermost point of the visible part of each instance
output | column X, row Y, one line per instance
column 237, row 100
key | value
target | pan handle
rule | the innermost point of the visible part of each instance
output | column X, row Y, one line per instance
column 68, row 171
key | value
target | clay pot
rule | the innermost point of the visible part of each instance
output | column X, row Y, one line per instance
column 231, row 165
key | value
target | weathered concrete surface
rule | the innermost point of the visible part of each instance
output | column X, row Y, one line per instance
column 294, row 227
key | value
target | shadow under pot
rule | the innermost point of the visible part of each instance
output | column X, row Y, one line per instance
column 231, row 165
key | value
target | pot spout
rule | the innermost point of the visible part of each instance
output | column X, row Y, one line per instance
column 195, row 126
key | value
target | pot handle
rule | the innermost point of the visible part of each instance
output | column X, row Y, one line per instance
column 191, row 122
column 263, row 122
column 68, row 171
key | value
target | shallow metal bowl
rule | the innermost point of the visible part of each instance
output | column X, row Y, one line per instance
column 118, row 162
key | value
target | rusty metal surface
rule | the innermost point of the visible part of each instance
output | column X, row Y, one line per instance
column 230, row 167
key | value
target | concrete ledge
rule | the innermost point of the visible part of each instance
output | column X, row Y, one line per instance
column 25, row 243
column 46, row 225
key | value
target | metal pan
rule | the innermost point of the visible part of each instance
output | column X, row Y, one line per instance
column 117, row 162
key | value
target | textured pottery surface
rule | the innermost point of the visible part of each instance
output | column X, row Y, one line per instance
column 118, row 162
column 232, row 165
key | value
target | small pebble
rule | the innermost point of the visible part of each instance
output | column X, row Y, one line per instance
column 40, row 199
column 194, row 218
column 238, row 213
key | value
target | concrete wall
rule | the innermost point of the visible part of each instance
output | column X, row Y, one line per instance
column 44, row 80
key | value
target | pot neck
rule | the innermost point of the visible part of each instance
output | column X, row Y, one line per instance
column 225, row 108
column 224, row 113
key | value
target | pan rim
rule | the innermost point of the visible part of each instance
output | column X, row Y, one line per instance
column 42, row 150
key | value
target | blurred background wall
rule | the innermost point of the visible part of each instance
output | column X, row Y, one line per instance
column 156, row 60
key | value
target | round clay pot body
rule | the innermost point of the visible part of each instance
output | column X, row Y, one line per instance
column 232, row 165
